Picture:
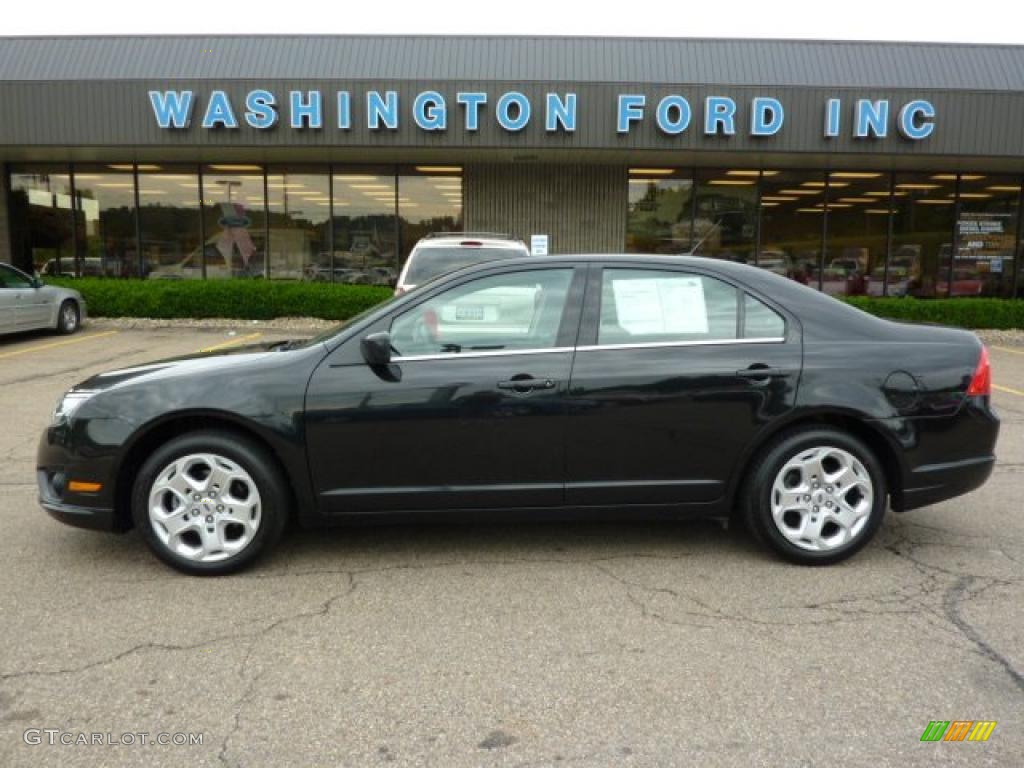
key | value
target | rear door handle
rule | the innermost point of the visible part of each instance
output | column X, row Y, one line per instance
column 761, row 373
column 526, row 384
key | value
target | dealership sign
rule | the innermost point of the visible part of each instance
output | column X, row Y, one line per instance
column 513, row 111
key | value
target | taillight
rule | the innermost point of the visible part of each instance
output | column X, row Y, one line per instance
column 981, row 382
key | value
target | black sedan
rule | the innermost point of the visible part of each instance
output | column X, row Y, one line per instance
column 629, row 384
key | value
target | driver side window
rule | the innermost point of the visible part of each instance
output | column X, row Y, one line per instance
column 11, row 278
column 513, row 311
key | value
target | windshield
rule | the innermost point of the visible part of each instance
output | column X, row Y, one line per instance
column 428, row 263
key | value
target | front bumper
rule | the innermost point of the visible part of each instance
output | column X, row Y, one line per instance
column 56, row 466
column 81, row 517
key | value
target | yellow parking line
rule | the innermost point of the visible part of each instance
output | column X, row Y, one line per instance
column 232, row 342
column 1007, row 349
column 41, row 347
column 1011, row 390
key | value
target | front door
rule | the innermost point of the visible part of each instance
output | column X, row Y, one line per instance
column 674, row 375
column 16, row 310
column 471, row 412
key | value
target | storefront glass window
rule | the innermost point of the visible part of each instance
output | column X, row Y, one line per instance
column 365, row 237
column 986, row 235
column 105, row 220
column 660, row 211
column 235, row 221
column 169, row 221
column 923, row 219
column 791, row 224
column 725, row 224
column 41, row 220
column 429, row 200
column 299, row 207
column 858, row 238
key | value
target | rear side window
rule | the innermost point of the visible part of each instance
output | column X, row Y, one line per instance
column 428, row 263
column 760, row 321
column 641, row 306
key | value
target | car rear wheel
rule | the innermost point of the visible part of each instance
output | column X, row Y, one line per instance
column 209, row 503
column 816, row 496
column 68, row 317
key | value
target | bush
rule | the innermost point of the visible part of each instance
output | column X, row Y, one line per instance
column 965, row 313
column 241, row 299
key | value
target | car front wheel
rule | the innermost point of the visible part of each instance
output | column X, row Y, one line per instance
column 209, row 503
column 68, row 317
column 816, row 496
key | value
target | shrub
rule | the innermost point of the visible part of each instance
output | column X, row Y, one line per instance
column 965, row 313
column 241, row 299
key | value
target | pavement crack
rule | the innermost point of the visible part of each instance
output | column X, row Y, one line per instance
column 953, row 598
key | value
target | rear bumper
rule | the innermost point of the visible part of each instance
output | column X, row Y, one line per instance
column 937, row 482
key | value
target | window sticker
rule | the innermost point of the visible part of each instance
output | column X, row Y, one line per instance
column 661, row 305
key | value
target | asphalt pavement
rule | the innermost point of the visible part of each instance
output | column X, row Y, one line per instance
column 476, row 644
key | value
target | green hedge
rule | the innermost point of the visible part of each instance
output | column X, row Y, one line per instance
column 266, row 299
column 965, row 313
column 243, row 299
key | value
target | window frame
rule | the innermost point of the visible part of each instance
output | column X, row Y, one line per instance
column 590, row 326
column 568, row 326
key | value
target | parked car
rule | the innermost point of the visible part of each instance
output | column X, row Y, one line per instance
column 27, row 304
column 631, row 384
column 443, row 252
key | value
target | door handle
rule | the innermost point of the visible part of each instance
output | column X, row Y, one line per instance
column 754, row 373
column 526, row 384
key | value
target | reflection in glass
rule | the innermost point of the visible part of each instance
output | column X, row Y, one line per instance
column 105, row 220
column 924, row 215
column 41, row 220
column 299, row 206
column 169, row 221
column 725, row 224
column 660, row 211
column 365, row 244
column 235, row 222
column 791, row 224
column 858, row 238
column 986, row 235
column 427, row 203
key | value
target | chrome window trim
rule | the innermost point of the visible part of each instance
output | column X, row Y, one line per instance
column 492, row 353
column 700, row 343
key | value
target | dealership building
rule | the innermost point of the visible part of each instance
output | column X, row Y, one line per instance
column 858, row 168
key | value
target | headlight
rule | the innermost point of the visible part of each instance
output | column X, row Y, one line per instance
column 69, row 403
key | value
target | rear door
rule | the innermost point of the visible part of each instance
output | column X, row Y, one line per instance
column 676, row 373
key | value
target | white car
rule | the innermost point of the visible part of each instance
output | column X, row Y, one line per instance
column 26, row 304
column 443, row 252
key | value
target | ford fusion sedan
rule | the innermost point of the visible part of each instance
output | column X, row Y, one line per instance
column 643, row 386
column 26, row 304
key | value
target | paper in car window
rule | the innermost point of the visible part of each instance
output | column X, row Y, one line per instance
column 661, row 305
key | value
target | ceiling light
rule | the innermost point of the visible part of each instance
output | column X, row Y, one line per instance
column 448, row 186
column 800, row 191
column 933, row 201
column 732, row 182
column 439, row 168
column 236, row 167
column 745, row 172
column 284, row 185
column 917, row 186
column 769, row 205
column 840, row 205
column 975, row 195
column 815, row 184
column 810, row 210
column 651, row 171
column 173, row 176
column 853, row 175
column 779, row 198
column 879, row 211
column 116, row 184
column 152, row 191
column 1003, row 188
column 357, row 177
column 857, row 200
column 371, row 186
column 952, row 177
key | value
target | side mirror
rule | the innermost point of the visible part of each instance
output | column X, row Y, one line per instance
column 37, row 282
column 376, row 348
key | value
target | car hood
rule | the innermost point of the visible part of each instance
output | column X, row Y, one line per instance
column 204, row 363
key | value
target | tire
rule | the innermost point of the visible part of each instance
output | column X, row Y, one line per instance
column 68, row 317
column 808, row 524
column 209, row 503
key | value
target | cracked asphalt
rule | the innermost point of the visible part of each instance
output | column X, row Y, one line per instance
column 526, row 644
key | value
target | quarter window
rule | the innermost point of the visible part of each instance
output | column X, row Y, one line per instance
column 513, row 311
column 761, row 322
column 648, row 306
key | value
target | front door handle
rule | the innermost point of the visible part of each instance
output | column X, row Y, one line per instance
column 526, row 384
column 755, row 372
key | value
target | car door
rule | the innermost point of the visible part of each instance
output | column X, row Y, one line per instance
column 16, row 300
column 470, row 414
column 675, row 373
